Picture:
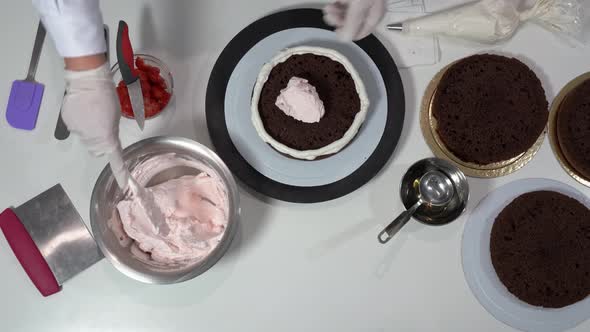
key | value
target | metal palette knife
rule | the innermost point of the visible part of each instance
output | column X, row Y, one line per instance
column 25, row 97
column 49, row 239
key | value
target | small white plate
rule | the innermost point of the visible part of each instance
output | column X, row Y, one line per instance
column 482, row 278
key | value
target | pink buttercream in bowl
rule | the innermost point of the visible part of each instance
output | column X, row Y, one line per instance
column 197, row 195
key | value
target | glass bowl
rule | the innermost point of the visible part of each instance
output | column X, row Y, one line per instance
column 164, row 73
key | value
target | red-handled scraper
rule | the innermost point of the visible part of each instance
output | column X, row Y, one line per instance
column 49, row 239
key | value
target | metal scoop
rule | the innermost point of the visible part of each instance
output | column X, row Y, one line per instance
column 436, row 189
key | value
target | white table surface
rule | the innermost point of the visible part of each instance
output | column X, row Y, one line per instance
column 293, row 267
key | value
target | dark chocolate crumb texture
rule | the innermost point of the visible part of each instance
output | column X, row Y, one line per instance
column 489, row 108
column 573, row 129
column 336, row 89
column 540, row 249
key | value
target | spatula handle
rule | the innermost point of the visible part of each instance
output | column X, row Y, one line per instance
column 39, row 38
column 27, row 253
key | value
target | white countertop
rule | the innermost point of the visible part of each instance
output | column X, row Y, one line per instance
column 292, row 267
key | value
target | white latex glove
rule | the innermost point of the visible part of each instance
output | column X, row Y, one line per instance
column 354, row 19
column 91, row 109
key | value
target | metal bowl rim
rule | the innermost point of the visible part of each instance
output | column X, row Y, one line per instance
column 214, row 256
column 448, row 164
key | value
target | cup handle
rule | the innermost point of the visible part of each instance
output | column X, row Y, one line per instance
column 389, row 232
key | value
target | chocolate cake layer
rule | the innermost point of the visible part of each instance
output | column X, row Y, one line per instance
column 489, row 108
column 540, row 249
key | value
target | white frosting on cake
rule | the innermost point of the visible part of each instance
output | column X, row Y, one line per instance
column 331, row 148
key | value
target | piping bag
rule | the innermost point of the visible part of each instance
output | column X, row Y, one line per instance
column 490, row 21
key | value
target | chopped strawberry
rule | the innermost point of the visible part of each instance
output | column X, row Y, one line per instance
column 140, row 64
column 153, row 86
column 158, row 93
column 151, row 108
column 143, row 76
column 155, row 78
column 154, row 70
column 165, row 99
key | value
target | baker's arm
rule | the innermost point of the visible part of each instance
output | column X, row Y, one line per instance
column 76, row 27
column 90, row 107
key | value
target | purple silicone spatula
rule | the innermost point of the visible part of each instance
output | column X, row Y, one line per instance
column 25, row 96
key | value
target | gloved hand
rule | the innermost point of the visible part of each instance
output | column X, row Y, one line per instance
column 91, row 109
column 354, row 19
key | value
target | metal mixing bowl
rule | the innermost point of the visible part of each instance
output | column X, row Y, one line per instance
column 106, row 195
column 435, row 215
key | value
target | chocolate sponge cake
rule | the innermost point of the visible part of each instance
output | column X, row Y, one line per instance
column 308, row 102
column 573, row 129
column 540, row 249
column 335, row 87
column 489, row 108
